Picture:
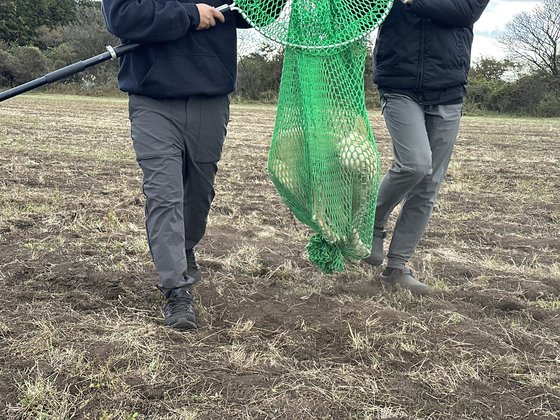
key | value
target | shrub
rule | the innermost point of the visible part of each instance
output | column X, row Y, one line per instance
column 22, row 64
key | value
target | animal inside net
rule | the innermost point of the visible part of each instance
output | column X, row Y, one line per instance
column 323, row 158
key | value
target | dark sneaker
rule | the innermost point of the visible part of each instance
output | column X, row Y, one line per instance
column 403, row 277
column 193, row 269
column 377, row 256
column 178, row 310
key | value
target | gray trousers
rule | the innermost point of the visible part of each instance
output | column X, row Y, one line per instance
column 178, row 143
column 423, row 140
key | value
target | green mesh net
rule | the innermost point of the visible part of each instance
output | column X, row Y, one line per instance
column 313, row 24
column 323, row 158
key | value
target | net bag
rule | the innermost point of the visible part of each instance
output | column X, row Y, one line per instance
column 323, row 158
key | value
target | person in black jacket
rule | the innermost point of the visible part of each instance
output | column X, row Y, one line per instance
column 178, row 84
column 421, row 64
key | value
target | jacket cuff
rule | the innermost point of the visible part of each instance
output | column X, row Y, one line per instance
column 192, row 12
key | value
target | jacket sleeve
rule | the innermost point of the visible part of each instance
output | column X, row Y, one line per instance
column 149, row 20
column 463, row 13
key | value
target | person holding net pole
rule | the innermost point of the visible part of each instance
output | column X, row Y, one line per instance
column 421, row 63
column 178, row 84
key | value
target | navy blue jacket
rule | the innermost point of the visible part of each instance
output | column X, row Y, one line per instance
column 177, row 61
column 424, row 48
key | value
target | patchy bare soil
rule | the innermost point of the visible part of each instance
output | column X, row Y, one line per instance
column 80, row 322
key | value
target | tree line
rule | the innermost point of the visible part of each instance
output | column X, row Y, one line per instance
column 38, row 36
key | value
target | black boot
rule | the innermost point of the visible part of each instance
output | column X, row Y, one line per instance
column 178, row 310
column 193, row 269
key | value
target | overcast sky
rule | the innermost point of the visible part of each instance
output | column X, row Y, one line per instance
column 492, row 23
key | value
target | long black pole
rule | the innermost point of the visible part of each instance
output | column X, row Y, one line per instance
column 67, row 71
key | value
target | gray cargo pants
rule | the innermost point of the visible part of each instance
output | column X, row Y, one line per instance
column 423, row 140
column 178, row 143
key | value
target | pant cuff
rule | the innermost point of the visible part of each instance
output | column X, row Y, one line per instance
column 166, row 287
column 396, row 263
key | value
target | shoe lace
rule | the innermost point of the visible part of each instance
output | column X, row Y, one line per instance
column 179, row 301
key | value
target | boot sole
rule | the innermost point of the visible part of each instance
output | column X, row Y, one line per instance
column 183, row 325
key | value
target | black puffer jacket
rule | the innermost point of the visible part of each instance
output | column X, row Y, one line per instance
column 425, row 47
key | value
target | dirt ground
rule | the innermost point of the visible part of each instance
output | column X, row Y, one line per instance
column 80, row 320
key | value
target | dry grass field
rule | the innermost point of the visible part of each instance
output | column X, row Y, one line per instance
column 80, row 322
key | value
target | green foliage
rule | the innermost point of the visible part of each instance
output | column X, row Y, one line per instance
column 5, row 73
column 21, row 19
column 259, row 74
column 495, row 86
column 10, row 24
column 22, row 64
column 87, row 34
column 549, row 105
column 53, row 47
column 489, row 69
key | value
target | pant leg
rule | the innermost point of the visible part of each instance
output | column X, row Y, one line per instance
column 411, row 153
column 157, row 134
column 442, row 124
column 207, row 119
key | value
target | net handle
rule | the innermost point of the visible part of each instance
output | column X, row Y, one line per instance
column 227, row 8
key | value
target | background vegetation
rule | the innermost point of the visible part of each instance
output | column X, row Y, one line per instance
column 38, row 36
